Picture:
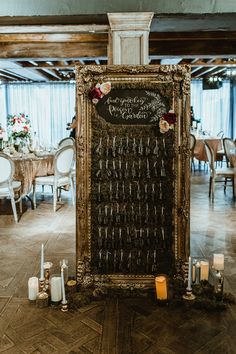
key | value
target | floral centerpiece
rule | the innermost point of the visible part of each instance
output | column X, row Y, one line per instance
column 18, row 126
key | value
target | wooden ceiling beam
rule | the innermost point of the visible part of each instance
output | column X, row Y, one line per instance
column 70, row 51
column 189, row 48
column 193, row 36
column 51, row 51
column 52, row 38
column 54, row 29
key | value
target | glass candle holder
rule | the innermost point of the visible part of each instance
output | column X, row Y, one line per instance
column 204, row 270
column 218, row 261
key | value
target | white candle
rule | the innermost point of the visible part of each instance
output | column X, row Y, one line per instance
column 194, row 272
column 189, row 273
column 204, row 270
column 63, row 287
column 41, row 263
column 197, row 272
column 218, row 261
column 33, row 288
column 55, row 288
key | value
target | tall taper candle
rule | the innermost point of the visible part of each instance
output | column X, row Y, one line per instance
column 42, row 263
column 63, row 287
column 189, row 273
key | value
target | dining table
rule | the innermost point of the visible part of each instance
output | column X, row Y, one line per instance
column 200, row 152
column 29, row 166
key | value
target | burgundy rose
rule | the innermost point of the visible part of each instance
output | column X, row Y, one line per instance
column 170, row 117
column 95, row 93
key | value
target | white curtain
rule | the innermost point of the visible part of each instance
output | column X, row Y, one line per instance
column 49, row 107
column 233, row 99
column 212, row 107
column 3, row 107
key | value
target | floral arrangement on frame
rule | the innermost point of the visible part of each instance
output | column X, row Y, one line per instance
column 167, row 122
column 99, row 91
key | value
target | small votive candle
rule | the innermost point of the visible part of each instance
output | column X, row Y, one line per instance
column 161, row 287
column 33, row 288
column 204, row 270
column 218, row 261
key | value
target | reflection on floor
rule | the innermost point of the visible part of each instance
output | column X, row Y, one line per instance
column 113, row 326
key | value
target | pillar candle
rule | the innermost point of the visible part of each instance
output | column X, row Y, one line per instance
column 55, row 287
column 42, row 263
column 204, row 270
column 189, row 273
column 33, row 288
column 63, row 287
column 218, row 261
column 194, row 271
column 161, row 287
column 197, row 272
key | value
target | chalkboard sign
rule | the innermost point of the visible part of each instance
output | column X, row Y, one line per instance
column 132, row 106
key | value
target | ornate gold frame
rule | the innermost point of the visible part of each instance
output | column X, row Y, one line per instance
column 177, row 76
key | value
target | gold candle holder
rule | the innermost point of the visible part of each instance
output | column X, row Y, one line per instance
column 189, row 295
column 42, row 297
column 71, row 286
column 47, row 266
column 64, row 307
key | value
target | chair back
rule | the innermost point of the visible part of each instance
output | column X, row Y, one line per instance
column 64, row 160
column 192, row 143
column 220, row 134
column 229, row 146
column 7, row 169
column 66, row 141
column 210, row 156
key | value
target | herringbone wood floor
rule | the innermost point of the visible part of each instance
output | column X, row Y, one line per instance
column 114, row 325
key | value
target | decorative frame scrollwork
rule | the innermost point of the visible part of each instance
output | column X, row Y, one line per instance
column 178, row 77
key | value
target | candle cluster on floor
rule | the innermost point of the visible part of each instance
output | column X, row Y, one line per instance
column 199, row 270
column 48, row 289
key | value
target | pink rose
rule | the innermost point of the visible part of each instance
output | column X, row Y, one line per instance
column 164, row 126
column 105, row 87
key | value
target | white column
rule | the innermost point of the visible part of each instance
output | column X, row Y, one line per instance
column 129, row 37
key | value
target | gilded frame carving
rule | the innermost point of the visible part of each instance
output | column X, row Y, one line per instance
column 177, row 76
